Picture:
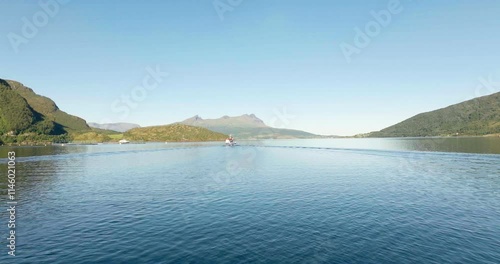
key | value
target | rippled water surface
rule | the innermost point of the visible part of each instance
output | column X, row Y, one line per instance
column 303, row 201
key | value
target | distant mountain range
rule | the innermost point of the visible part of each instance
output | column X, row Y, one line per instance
column 479, row 116
column 173, row 133
column 28, row 117
column 245, row 127
column 119, row 127
column 22, row 111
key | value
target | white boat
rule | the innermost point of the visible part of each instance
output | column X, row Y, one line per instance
column 123, row 141
column 230, row 142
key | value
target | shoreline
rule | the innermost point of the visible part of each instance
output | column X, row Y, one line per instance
column 45, row 144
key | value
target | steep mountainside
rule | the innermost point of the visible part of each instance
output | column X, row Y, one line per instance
column 49, row 109
column 245, row 127
column 479, row 116
column 16, row 115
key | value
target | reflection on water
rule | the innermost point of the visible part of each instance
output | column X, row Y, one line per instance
column 26, row 151
column 466, row 145
column 486, row 145
column 277, row 201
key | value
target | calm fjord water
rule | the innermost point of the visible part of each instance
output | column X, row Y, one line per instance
column 301, row 201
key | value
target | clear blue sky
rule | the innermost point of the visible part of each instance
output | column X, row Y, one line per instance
column 263, row 57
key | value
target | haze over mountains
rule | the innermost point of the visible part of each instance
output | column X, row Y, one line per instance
column 22, row 111
column 25, row 116
column 119, row 127
column 245, row 127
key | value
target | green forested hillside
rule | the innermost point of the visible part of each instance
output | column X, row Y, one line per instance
column 15, row 113
column 49, row 109
column 26, row 117
column 479, row 116
column 173, row 133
